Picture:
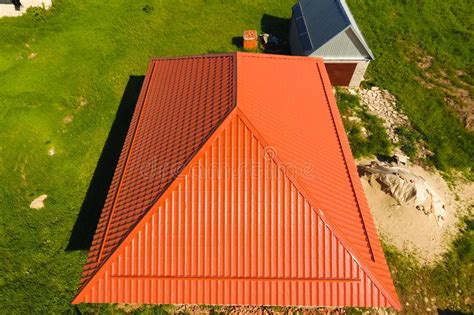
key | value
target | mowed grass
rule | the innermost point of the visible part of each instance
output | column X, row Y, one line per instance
column 86, row 51
column 403, row 32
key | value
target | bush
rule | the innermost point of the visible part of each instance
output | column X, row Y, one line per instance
column 148, row 8
column 374, row 141
column 408, row 140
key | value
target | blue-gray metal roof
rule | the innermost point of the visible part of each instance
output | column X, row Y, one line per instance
column 318, row 21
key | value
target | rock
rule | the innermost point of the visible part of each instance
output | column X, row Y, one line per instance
column 38, row 203
column 68, row 119
column 32, row 55
column 383, row 104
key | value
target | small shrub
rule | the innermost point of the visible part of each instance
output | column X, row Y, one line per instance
column 37, row 13
column 346, row 101
column 408, row 140
column 148, row 8
column 375, row 141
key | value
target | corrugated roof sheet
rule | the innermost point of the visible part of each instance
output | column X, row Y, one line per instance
column 323, row 20
column 183, row 100
column 268, row 210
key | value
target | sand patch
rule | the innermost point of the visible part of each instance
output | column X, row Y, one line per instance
column 409, row 228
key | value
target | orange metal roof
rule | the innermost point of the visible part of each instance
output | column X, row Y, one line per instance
column 265, row 206
column 182, row 101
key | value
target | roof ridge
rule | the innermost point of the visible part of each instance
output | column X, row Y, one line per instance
column 201, row 56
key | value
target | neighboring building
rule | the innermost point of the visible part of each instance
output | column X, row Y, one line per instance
column 327, row 29
column 236, row 186
column 19, row 7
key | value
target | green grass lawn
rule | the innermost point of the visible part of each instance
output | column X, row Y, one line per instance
column 63, row 74
column 401, row 33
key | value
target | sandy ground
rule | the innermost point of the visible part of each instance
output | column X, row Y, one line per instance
column 410, row 229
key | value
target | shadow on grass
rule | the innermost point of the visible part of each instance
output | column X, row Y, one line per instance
column 238, row 41
column 86, row 222
column 278, row 27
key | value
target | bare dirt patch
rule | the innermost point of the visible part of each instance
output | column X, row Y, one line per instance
column 68, row 119
column 425, row 62
column 411, row 229
column 83, row 102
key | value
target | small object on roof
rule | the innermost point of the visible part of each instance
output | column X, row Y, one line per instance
column 250, row 39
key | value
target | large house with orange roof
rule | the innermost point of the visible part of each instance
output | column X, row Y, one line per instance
column 236, row 186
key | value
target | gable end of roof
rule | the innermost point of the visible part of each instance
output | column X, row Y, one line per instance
column 324, row 20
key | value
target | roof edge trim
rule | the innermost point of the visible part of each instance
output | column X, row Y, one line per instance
column 353, row 25
column 363, row 42
column 130, row 150
column 229, row 54
column 345, row 155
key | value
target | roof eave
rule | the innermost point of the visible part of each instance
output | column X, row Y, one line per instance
column 363, row 42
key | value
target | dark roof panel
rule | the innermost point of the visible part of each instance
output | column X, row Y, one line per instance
column 324, row 19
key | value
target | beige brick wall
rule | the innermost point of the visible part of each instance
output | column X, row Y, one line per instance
column 359, row 73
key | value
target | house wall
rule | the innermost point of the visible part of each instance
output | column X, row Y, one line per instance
column 346, row 72
column 359, row 73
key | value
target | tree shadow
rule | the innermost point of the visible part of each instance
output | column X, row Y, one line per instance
column 88, row 217
column 278, row 27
